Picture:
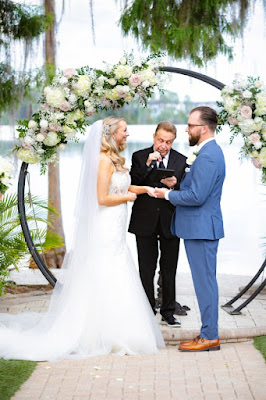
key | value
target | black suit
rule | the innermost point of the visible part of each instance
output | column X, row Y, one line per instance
column 150, row 222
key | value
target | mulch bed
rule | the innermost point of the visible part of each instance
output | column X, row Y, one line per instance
column 16, row 289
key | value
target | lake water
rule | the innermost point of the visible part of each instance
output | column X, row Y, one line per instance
column 243, row 200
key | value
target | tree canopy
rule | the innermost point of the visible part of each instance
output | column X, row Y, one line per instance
column 195, row 30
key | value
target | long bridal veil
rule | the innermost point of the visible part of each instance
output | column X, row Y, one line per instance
column 51, row 335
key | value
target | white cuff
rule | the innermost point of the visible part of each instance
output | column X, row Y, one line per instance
column 166, row 195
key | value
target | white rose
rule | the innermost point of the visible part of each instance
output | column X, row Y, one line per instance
column 258, row 145
column 149, row 75
column 44, row 124
column 40, row 151
column 191, row 158
column 5, row 166
column 258, row 84
column 32, row 124
column 72, row 98
column 247, row 126
column 145, row 84
column 62, row 146
column 63, row 80
column 40, row 137
column 51, row 139
column 247, row 94
column 28, row 140
column 123, row 71
column 123, row 60
column 112, row 81
column 55, row 97
column 27, row 156
column 83, row 85
column 262, row 157
column 231, row 104
column 58, row 116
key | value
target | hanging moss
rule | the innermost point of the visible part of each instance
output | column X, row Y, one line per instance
column 24, row 24
column 186, row 29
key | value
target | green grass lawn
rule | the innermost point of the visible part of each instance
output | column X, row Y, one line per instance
column 260, row 344
column 12, row 374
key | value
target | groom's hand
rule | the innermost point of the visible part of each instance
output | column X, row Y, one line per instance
column 170, row 182
column 159, row 193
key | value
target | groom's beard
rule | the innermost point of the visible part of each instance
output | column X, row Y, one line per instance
column 193, row 139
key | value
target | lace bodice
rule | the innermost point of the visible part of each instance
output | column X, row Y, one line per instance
column 120, row 182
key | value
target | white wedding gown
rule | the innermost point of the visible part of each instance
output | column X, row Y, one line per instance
column 100, row 306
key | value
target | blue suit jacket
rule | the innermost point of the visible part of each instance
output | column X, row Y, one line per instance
column 198, row 213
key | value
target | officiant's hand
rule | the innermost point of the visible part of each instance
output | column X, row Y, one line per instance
column 170, row 182
column 155, row 156
column 159, row 193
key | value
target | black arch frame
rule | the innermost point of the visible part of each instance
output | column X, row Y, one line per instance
column 41, row 264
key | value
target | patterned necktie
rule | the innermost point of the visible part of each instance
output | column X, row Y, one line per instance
column 161, row 164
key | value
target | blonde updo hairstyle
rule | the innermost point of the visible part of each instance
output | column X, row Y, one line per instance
column 109, row 146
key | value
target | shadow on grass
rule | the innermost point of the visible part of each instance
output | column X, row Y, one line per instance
column 12, row 374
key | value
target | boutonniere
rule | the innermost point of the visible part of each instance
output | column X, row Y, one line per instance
column 192, row 157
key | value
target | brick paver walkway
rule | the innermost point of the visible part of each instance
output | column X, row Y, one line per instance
column 238, row 371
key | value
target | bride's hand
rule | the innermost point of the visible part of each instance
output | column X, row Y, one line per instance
column 131, row 196
column 150, row 191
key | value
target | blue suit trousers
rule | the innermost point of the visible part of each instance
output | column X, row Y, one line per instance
column 201, row 254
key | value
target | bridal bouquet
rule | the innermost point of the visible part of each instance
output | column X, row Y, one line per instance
column 244, row 108
column 5, row 174
column 75, row 95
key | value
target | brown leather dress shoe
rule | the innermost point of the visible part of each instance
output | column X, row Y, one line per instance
column 200, row 344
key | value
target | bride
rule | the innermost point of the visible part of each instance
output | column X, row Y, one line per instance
column 99, row 305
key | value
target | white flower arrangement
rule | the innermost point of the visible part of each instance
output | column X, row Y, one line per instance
column 192, row 157
column 75, row 95
column 5, row 174
column 244, row 108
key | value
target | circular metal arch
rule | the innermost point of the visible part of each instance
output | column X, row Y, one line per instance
column 23, row 172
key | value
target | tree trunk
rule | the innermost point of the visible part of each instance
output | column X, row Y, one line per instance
column 55, row 258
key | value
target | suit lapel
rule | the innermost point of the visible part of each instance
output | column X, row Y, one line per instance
column 172, row 159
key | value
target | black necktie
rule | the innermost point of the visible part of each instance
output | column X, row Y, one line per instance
column 161, row 164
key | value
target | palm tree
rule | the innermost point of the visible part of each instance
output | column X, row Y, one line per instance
column 13, row 248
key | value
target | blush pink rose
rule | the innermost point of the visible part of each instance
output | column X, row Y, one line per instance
column 246, row 112
column 65, row 106
column 135, row 80
column 69, row 73
column 54, row 127
column 256, row 163
column 232, row 120
column 254, row 138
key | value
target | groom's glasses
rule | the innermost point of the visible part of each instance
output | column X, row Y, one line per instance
column 191, row 125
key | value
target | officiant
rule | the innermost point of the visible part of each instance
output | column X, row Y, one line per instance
column 151, row 217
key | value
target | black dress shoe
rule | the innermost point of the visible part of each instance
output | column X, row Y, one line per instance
column 179, row 310
column 171, row 321
column 177, row 305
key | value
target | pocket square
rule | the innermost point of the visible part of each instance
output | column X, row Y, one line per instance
column 187, row 169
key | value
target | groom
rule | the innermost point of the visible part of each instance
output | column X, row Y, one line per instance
column 198, row 220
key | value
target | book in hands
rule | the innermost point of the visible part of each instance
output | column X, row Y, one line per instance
column 161, row 173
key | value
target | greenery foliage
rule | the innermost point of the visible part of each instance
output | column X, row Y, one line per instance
column 13, row 247
column 186, row 29
column 12, row 374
